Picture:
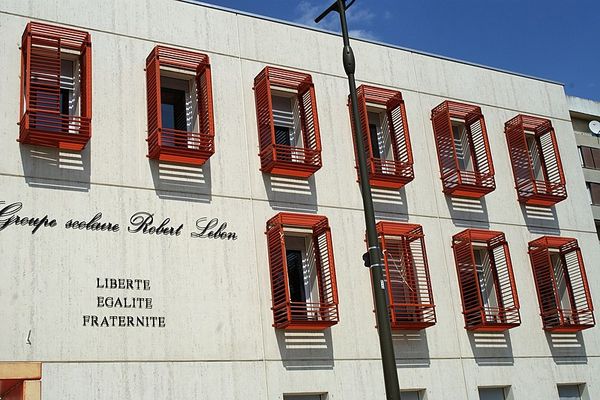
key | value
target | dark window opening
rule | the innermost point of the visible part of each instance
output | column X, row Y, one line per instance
column 173, row 110
column 282, row 135
column 295, row 276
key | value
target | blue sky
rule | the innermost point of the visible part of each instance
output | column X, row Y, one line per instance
column 552, row 39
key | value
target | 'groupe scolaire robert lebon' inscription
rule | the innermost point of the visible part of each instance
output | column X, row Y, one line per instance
column 141, row 223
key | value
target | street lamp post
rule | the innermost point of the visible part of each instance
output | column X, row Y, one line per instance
column 386, row 345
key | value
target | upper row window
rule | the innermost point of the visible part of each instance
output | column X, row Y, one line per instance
column 56, row 92
column 56, row 112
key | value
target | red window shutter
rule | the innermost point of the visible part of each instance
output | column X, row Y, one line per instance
column 42, row 123
column 174, row 145
column 316, row 314
column 280, row 159
column 473, row 182
column 545, row 191
column 561, row 283
column 497, row 310
column 410, row 298
column 384, row 173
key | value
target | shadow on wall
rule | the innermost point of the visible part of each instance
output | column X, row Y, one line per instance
column 305, row 350
column 542, row 220
column 53, row 168
column 468, row 213
column 411, row 349
column 181, row 182
column 290, row 194
column 491, row 348
column 567, row 348
column 390, row 204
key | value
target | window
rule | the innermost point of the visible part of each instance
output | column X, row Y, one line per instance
column 304, row 397
column 288, row 124
column 487, row 285
column 464, row 155
column 180, row 109
column 303, row 283
column 570, row 392
column 412, row 394
column 493, row 393
column 594, row 193
column 589, row 157
column 597, row 223
column 537, row 168
column 409, row 293
column 56, row 102
column 385, row 136
column 20, row 380
column 561, row 283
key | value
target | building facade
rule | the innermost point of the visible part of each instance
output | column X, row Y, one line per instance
column 583, row 112
column 181, row 216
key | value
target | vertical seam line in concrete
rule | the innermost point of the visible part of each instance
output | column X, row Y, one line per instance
column 251, row 196
column 440, row 232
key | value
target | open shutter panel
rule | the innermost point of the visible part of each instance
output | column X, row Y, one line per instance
column 43, row 93
column 398, row 126
column 581, row 299
column 443, row 139
column 551, row 157
column 543, row 274
column 328, row 296
column 310, row 123
column 519, row 155
column 86, row 82
column 364, row 124
column 205, row 108
column 153, row 101
column 278, row 271
column 469, row 284
column 264, row 119
column 479, row 143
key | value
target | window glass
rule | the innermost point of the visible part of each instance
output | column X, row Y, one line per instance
column 485, row 274
column 587, row 158
column 569, row 392
column 597, row 222
column 536, row 157
column 303, row 397
column 594, row 192
column 492, row 394
column 462, row 145
column 67, row 87
column 411, row 395
column 596, row 157
column 286, row 119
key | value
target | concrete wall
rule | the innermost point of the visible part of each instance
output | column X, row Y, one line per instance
column 216, row 294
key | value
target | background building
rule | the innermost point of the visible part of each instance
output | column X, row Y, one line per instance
column 206, row 328
column 584, row 111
